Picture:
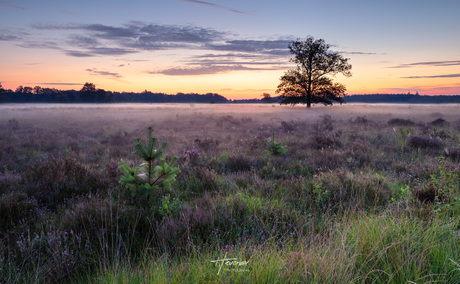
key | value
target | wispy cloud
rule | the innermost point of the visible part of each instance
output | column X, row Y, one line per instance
column 8, row 4
column 203, row 70
column 215, row 6
column 359, row 53
column 104, row 73
column 56, row 84
column 228, row 62
column 275, row 47
column 225, row 52
column 8, row 37
column 433, row 76
column 97, row 39
column 429, row 63
column 11, row 34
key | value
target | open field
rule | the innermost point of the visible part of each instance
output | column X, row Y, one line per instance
column 364, row 194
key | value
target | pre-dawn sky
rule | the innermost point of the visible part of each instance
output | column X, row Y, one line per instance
column 235, row 48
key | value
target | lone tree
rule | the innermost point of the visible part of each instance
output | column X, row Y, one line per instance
column 310, row 82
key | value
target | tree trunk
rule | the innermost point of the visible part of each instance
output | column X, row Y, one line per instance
column 308, row 100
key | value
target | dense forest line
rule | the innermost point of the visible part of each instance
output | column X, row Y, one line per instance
column 90, row 94
column 402, row 98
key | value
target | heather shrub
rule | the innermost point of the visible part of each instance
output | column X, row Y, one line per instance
column 13, row 124
column 442, row 187
column 227, row 121
column 120, row 138
column 425, row 193
column 453, row 153
column 321, row 140
column 288, row 127
column 112, row 227
column 198, row 180
column 360, row 121
column 423, row 142
column 52, row 180
column 51, row 255
column 443, row 133
column 328, row 159
column 16, row 208
column 208, row 144
column 360, row 153
column 400, row 122
column 439, row 122
column 191, row 227
column 234, row 220
column 190, row 158
column 325, row 124
column 239, row 163
column 9, row 181
column 344, row 190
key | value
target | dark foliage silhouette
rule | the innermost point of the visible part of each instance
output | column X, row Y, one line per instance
column 310, row 82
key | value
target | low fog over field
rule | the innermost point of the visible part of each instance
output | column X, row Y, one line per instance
column 260, row 112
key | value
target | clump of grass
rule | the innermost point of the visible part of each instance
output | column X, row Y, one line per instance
column 381, row 249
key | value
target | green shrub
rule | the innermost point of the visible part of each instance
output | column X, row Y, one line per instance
column 146, row 180
column 276, row 148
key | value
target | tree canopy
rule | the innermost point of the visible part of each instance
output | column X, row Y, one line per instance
column 310, row 82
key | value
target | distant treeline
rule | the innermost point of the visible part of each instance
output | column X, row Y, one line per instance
column 388, row 98
column 402, row 98
column 89, row 94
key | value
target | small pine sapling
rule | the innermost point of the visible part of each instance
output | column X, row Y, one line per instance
column 145, row 180
column 276, row 148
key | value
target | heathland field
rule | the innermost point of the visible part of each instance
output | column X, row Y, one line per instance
column 344, row 194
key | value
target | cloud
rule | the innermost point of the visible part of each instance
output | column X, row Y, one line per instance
column 205, row 3
column 274, row 47
column 82, row 41
column 228, row 55
column 359, row 53
column 58, row 84
column 12, row 34
column 433, row 76
column 97, row 39
column 203, row 70
column 76, row 53
column 206, row 67
column 34, row 63
column 224, row 51
column 429, row 63
column 104, row 73
column 10, row 5
column 6, row 37
column 132, row 37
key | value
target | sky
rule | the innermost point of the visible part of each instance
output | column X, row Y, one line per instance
column 237, row 48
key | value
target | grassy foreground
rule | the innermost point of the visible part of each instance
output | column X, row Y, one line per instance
column 354, row 199
column 374, row 249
